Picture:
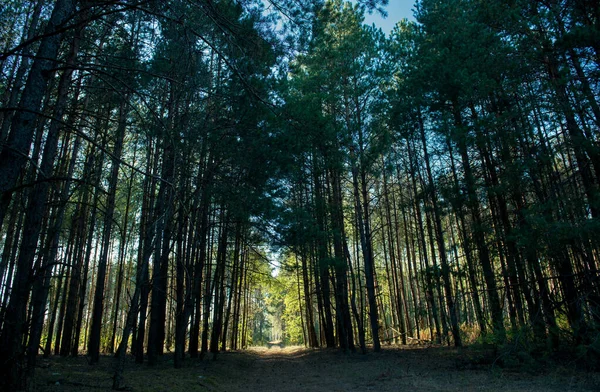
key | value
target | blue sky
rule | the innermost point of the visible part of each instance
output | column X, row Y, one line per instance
column 396, row 9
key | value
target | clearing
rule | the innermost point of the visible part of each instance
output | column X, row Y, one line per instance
column 408, row 368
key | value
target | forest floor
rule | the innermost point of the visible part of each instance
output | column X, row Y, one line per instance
column 410, row 368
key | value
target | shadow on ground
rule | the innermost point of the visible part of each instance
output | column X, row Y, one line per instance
column 298, row 369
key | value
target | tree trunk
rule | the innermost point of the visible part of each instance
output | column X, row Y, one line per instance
column 98, row 306
column 441, row 243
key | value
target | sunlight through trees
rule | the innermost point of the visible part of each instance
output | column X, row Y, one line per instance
column 439, row 185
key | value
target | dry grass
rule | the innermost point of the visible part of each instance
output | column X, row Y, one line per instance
column 411, row 368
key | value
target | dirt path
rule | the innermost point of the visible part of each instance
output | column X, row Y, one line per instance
column 408, row 369
column 299, row 369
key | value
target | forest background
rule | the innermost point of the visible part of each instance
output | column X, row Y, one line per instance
column 159, row 159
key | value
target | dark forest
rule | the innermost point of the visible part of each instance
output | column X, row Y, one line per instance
column 186, row 178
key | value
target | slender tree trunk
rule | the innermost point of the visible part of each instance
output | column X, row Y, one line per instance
column 13, row 157
column 219, row 284
column 98, row 306
column 323, row 265
column 341, row 278
column 484, row 257
column 367, row 254
column 441, row 243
